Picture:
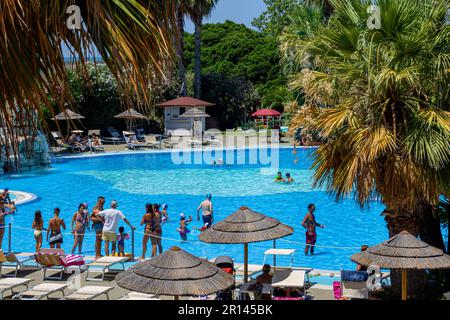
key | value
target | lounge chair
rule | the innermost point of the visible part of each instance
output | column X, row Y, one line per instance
column 97, row 133
column 41, row 291
column 132, row 142
column 152, row 142
column 105, row 263
column 55, row 259
column 89, row 293
column 139, row 296
column 115, row 138
column 290, row 278
column 11, row 284
column 354, row 284
column 140, row 134
column 58, row 137
column 13, row 260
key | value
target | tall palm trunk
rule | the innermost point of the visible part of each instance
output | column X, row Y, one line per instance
column 198, row 58
column 180, row 51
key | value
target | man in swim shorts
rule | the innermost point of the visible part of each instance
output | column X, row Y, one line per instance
column 207, row 210
column 54, row 230
column 112, row 217
column 310, row 223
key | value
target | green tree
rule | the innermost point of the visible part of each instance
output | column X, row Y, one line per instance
column 380, row 98
column 199, row 9
column 235, row 99
column 275, row 18
column 237, row 51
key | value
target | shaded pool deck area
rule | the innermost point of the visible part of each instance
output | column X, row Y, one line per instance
column 320, row 280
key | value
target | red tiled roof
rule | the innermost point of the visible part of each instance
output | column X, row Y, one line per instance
column 185, row 102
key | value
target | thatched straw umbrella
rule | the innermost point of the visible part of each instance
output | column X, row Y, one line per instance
column 245, row 226
column 130, row 116
column 197, row 115
column 68, row 115
column 175, row 273
column 403, row 252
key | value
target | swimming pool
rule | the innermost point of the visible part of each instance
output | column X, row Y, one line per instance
column 139, row 178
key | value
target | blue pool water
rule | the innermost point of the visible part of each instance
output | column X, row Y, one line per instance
column 152, row 177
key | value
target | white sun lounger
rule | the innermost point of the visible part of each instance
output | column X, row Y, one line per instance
column 139, row 296
column 89, row 293
column 105, row 263
column 12, row 283
column 13, row 260
column 290, row 279
column 41, row 291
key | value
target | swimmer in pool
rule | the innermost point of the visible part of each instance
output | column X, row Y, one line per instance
column 183, row 229
column 310, row 223
column 289, row 178
column 279, row 177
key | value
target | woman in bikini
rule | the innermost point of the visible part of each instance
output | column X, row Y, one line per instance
column 54, row 230
column 81, row 221
column 97, row 225
column 147, row 221
column 38, row 227
column 156, row 232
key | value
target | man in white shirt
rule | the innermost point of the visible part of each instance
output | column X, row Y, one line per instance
column 112, row 217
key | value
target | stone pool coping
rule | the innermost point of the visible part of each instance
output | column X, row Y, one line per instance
column 22, row 197
column 168, row 151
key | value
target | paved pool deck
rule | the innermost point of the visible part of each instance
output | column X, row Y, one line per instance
column 315, row 292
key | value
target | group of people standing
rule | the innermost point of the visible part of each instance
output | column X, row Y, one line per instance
column 104, row 222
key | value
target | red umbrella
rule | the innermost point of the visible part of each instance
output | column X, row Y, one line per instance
column 266, row 113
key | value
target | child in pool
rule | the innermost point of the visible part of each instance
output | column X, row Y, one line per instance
column 121, row 237
column 183, row 229
column 164, row 213
column 279, row 177
column 289, row 178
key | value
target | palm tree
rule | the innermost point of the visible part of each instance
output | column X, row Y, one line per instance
column 132, row 37
column 381, row 100
column 198, row 9
column 327, row 7
column 181, row 12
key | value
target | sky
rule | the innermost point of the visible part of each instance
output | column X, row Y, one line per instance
column 239, row 11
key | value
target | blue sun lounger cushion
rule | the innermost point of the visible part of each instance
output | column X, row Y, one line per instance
column 354, row 276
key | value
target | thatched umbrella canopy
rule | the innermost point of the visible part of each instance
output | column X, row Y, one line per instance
column 197, row 115
column 68, row 115
column 175, row 273
column 245, row 226
column 403, row 252
column 130, row 116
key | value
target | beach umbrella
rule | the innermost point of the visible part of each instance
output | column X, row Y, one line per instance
column 403, row 252
column 266, row 113
column 243, row 227
column 68, row 115
column 130, row 116
column 175, row 273
column 197, row 115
